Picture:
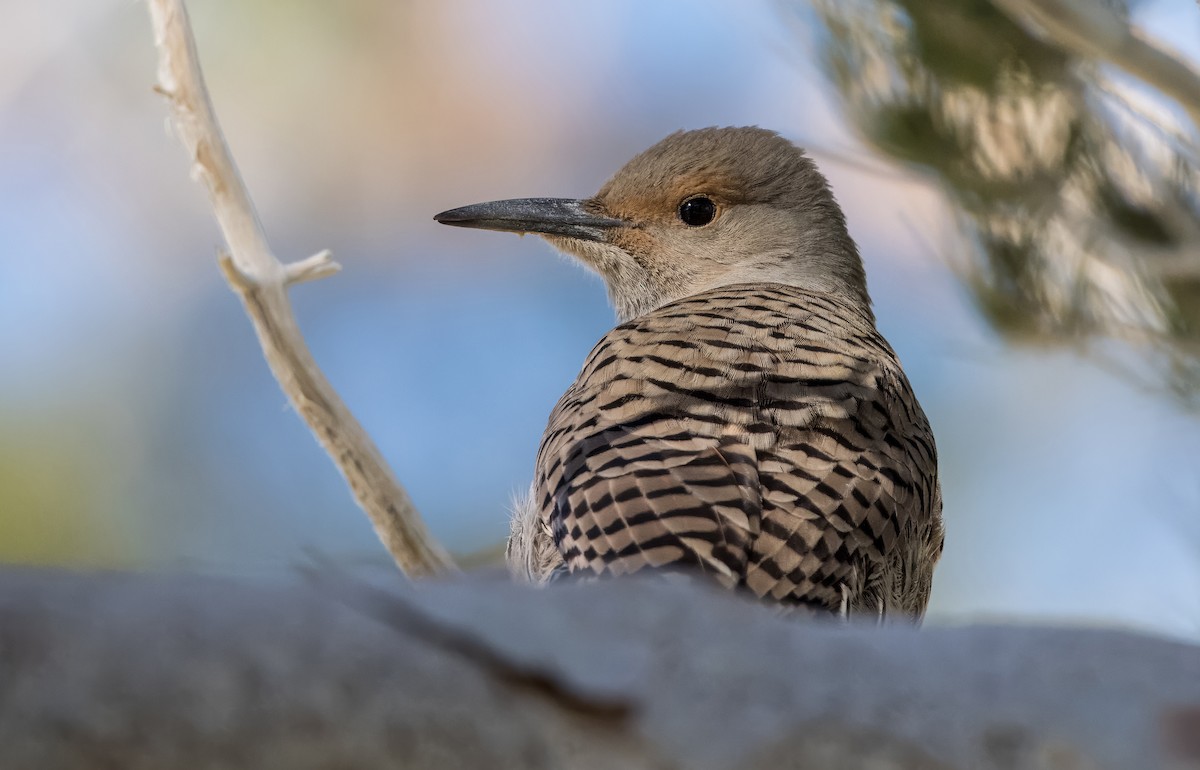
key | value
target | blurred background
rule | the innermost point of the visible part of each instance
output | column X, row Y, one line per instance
column 1028, row 220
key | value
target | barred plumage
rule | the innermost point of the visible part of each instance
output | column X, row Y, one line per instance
column 747, row 419
column 761, row 432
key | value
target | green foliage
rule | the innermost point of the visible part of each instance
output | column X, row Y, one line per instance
column 1080, row 210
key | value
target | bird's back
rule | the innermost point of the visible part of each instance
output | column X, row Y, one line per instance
column 760, row 432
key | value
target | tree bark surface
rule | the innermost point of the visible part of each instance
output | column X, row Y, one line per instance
column 104, row 670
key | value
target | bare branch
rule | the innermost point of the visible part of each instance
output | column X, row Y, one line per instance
column 1096, row 30
column 616, row 674
column 319, row 265
column 261, row 280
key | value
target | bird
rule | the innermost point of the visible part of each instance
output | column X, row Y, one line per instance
column 745, row 418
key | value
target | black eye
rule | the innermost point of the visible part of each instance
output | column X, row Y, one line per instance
column 697, row 212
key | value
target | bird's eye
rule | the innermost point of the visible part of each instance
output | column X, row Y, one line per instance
column 698, row 211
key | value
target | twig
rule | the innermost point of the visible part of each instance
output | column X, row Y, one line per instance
column 261, row 280
column 1095, row 30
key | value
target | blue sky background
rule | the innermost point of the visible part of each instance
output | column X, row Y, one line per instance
column 140, row 428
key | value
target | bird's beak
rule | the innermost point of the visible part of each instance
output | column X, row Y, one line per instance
column 549, row 216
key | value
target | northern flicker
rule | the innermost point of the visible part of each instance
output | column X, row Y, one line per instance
column 745, row 418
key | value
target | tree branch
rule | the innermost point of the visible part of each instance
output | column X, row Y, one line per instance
column 635, row 674
column 261, row 281
column 1097, row 31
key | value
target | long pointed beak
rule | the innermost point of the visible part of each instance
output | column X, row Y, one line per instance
column 550, row 216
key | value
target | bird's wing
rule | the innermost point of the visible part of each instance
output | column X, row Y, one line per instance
column 762, row 434
column 648, row 494
column 850, row 508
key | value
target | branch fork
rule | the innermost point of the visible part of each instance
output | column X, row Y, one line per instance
column 261, row 281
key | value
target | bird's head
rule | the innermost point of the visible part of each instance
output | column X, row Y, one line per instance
column 699, row 210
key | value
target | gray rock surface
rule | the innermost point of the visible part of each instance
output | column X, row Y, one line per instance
column 116, row 671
